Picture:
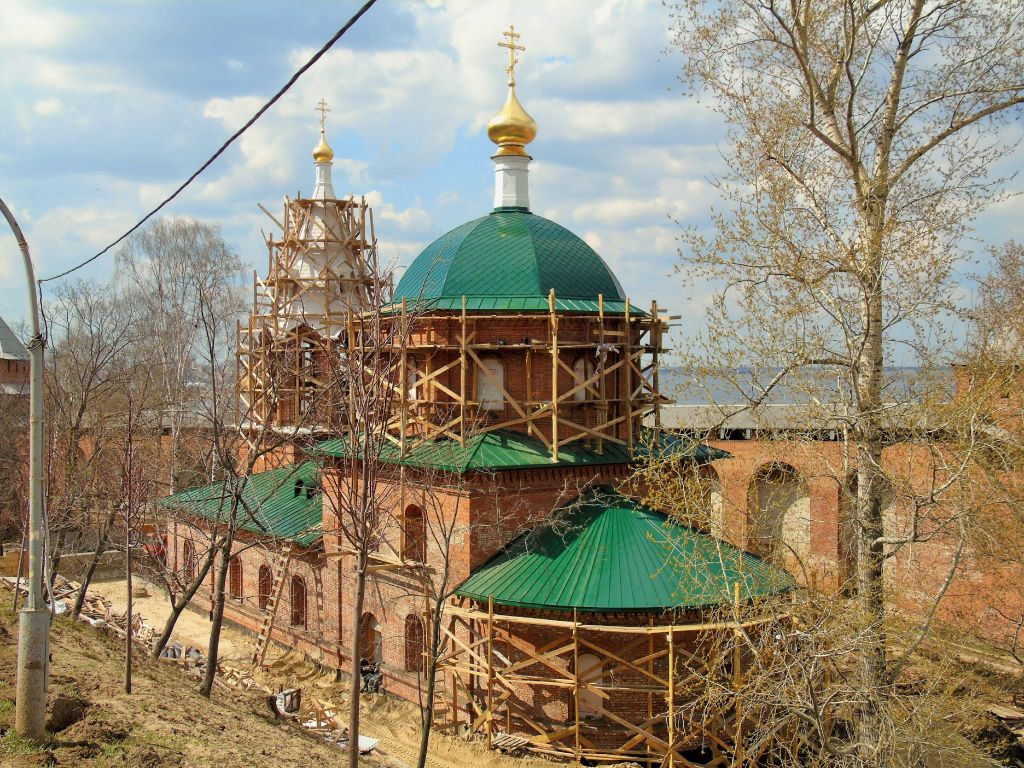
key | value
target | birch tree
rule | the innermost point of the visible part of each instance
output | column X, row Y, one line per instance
column 864, row 139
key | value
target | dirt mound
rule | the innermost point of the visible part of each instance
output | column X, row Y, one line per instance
column 149, row 757
column 95, row 729
column 65, row 711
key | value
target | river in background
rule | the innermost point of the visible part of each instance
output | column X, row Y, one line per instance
column 684, row 387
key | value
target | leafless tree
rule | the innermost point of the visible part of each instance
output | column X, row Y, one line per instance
column 439, row 496
column 178, row 271
column 13, row 463
column 92, row 330
column 364, row 389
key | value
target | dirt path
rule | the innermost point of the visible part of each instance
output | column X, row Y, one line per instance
column 393, row 721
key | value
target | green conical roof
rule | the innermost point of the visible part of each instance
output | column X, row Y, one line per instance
column 606, row 552
column 511, row 259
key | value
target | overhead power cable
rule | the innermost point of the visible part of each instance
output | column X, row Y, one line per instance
column 284, row 89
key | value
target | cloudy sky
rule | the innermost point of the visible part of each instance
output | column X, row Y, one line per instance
column 109, row 105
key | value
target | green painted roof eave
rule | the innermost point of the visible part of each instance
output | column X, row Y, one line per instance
column 506, row 449
column 517, row 304
column 606, row 552
column 276, row 508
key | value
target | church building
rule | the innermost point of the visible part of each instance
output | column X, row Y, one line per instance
column 496, row 400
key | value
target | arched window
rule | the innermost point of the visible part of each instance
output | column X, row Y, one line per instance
column 490, row 383
column 235, row 577
column 266, row 584
column 371, row 646
column 188, row 556
column 583, row 369
column 413, row 643
column 780, row 510
column 414, row 547
column 412, row 376
column 298, row 597
column 591, row 671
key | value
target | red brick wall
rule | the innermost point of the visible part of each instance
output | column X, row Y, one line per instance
column 15, row 372
column 985, row 594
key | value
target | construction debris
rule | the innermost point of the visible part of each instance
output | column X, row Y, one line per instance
column 313, row 715
column 1006, row 714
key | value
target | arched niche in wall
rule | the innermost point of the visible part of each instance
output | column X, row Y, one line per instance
column 371, row 642
column 264, row 586
column 235, row 577
column 710, row 485
column 413, row 643
column 779, row 509
column 298, row 602
column 414, row 541
column 590, row 670
column 583, row 369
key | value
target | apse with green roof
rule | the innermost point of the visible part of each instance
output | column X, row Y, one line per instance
column 605, row 552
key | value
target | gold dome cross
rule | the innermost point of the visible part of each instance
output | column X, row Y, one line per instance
column 323, row 110
column 512, row 36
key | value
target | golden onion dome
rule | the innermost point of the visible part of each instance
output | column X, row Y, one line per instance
column 512, row 128
column 322, row 152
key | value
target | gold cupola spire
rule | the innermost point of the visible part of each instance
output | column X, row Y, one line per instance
column 512, row 128
column 322, row 152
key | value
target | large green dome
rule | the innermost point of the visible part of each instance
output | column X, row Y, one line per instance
column 511, row 259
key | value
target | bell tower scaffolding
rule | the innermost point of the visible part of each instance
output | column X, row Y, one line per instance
column 322, row 270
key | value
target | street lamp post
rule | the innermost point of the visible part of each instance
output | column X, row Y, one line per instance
column 34, row 621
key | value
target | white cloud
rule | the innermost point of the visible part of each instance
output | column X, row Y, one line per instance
column 414, row 219
column 151, row 194
column 48, row 106
column 63, row 236
column 33, row 26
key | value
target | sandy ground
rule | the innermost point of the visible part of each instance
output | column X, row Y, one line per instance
column 393, row 721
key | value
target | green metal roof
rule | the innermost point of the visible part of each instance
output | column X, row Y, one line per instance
column 511, row 259
column 284, row 502
column 605, row 552
column 505, row 449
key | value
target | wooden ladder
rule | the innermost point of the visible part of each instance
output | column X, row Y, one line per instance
column 276, row 588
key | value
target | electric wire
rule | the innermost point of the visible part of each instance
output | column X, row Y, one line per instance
column 284, row 89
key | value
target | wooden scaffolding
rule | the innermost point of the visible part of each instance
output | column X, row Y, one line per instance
column 322, row 269
column 500, row 673
column 568, row 377
column 578, row 377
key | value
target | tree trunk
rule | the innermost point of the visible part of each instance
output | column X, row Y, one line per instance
column 180, row 603
column 218, row 617
column 101, row 545
column 431, row 672
column 128, row 613
column 55, row 556
column 356, row 650
column 868, row 378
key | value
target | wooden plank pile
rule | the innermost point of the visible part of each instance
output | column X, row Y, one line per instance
column 99, row 612
column 1011, row 717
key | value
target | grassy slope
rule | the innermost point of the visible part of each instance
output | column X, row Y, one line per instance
column 164, row 722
